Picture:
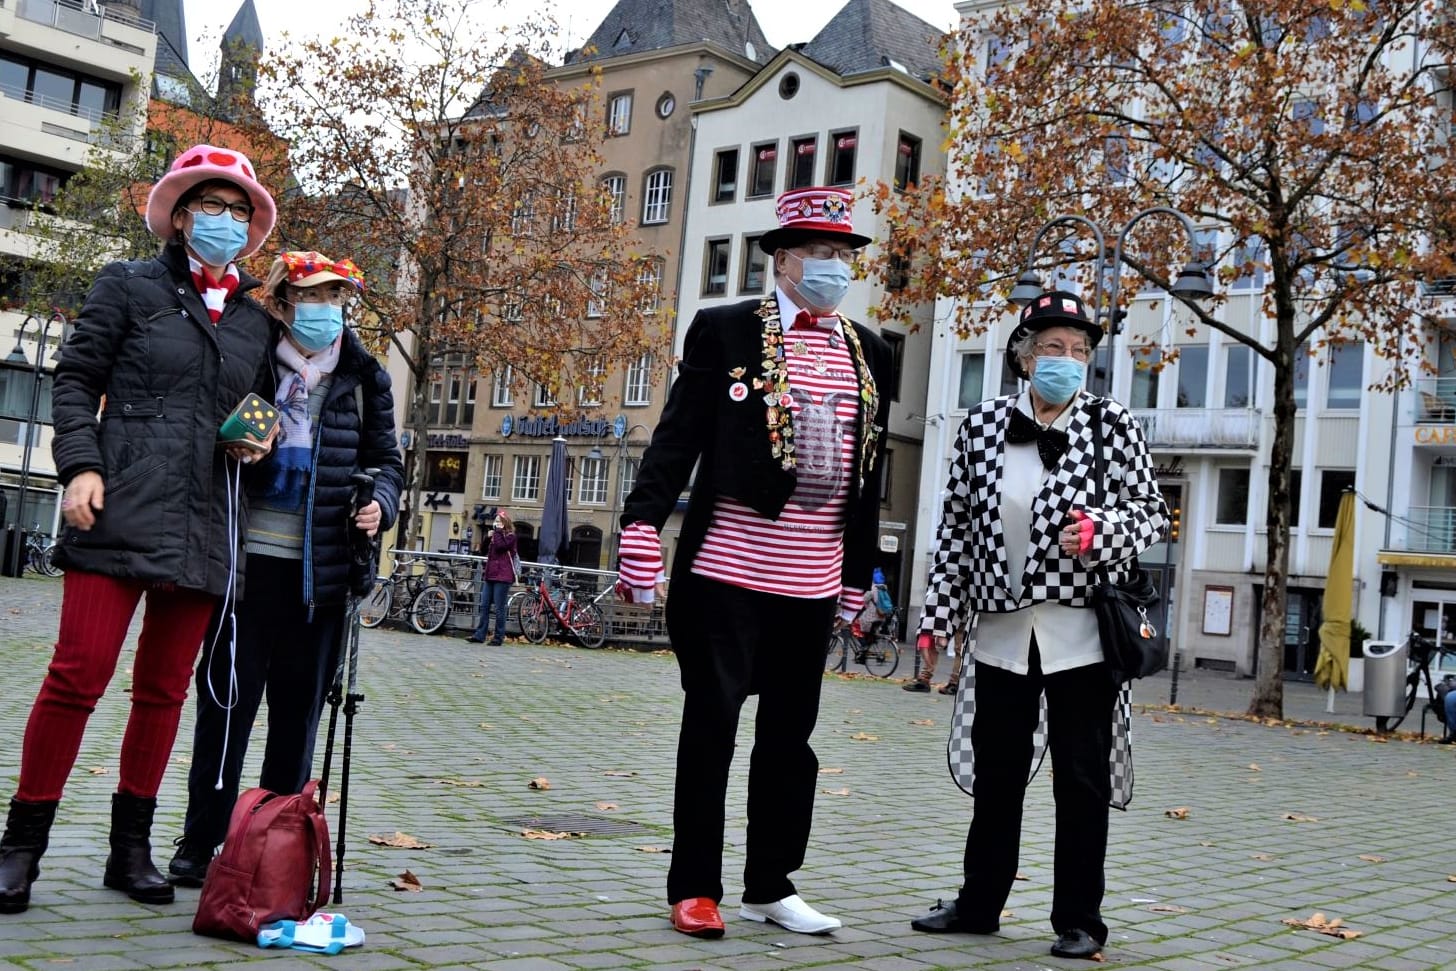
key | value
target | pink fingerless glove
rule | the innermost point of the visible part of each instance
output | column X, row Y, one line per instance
column 1086, row 529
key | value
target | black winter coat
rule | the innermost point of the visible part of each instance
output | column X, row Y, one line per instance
column 170, row 377
column 344, row 443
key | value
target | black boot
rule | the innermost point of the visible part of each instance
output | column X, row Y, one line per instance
column 27, row 834
column 189, row 864
column 129, row 867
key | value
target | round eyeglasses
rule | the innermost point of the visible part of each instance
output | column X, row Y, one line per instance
column 215, row 206
column 1057, row 349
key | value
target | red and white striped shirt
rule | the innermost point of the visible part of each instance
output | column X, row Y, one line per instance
column 800, row 554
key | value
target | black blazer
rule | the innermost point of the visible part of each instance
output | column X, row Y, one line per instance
column 728, row 438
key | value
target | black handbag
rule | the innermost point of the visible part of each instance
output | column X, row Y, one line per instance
column 1130, row 643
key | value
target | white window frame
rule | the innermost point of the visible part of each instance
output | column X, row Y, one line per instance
column 593, row 474
column 629, row 470
column 649, row 275
column 589, row 393
column 492, row 468
column 638, row 390
column 501, row 395
column 596, row 304
column 541, row 398
column 526, row 478
column 616, row 188
column 657, row 199
column 619, row 113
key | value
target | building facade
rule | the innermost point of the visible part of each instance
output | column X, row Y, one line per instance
column 66, row 69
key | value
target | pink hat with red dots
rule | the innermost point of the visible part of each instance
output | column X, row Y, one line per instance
column 207, row 163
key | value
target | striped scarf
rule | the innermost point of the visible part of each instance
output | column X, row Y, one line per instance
column 214, row 293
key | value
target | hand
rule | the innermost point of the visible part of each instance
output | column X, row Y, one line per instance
column 367, row 518
column 85, row 496
column 1076, row 536
column 248, row 454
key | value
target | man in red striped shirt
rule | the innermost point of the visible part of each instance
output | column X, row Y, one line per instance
column 778, row 403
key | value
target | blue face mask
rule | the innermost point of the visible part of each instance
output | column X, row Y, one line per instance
column 217, row 240
column 316, row 325
column 1056, row 379
column 825, row 282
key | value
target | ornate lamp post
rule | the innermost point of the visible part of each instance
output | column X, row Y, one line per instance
column 1192, row 283
column 16, row 364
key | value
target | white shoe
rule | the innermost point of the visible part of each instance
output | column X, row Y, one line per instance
column 792, row 914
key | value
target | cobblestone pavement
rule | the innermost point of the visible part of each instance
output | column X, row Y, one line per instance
column 1281, row 822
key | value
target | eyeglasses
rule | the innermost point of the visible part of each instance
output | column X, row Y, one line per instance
column 826, row 252
column 337, row 295
column 214, row 206
column 1057, row 349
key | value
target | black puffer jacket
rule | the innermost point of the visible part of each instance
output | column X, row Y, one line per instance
column 170, row 377
column 343, row 445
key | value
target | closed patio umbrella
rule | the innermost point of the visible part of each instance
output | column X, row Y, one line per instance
column 553, row 513
column 1332, row 669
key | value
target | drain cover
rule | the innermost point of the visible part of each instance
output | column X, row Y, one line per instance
column 590, row 825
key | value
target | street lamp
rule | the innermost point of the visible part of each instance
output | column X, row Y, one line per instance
column 1192, row 283
column 597, row 454
column 16, row 364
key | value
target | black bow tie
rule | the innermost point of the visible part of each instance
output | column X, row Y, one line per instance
column 1051, row 443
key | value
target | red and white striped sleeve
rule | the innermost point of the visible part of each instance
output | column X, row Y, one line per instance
column 639, row 558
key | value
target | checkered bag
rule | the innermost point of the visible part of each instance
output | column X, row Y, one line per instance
column 962, row 761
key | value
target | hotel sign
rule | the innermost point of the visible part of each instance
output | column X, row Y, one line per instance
column 550, row 427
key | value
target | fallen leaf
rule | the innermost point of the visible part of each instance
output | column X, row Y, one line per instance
column 836, row 792
column 1007, row 913
column 1254, row 767
column 1318, row 922
column 922, row 721
column 1300, row 818
column 486, row 725
column 1372, row 858
column 618, row 774
column 606, row 806
column 540, row 782
column 403, row 841
column 1180, row 812
column 97, row 770
column 183, row 760
column 462, row 783
column 831, row 772
column 1022, row 876
column 1263, row 857
column 864, row 737
column 388, row 746
column 1451, row 878
column 1168, row 909
column 1205, row 842
column 651, row 849
column 333, row 797
column 407, row 881
column 545, row 834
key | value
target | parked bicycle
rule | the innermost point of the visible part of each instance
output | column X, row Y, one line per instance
column 413, row 591
column 39, row 550
column 1422, row 652
column 553, row 607
column 879, row 655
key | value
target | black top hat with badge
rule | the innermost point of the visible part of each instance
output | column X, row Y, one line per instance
column 1059, row 308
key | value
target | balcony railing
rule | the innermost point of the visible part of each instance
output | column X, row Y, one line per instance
column 1428, row 529
column 1199, row 428
column 1436, row 400
column 82, row 19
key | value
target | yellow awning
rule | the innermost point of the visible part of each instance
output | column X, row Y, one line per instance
column 1438, row 561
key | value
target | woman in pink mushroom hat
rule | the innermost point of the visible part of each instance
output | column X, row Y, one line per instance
column 161, row 353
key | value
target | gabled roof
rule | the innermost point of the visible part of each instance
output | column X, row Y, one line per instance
column 636, row 26
column 244, row 31
column 867, row 35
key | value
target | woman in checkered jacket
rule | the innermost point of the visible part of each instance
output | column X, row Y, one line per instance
column 1025, row 525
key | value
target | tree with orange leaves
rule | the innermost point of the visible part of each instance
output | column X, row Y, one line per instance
column 438, row 155
column 1307, row 141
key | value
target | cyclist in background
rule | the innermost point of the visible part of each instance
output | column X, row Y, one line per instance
column 878, row 607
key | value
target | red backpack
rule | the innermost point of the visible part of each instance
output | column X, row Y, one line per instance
column 277, row 847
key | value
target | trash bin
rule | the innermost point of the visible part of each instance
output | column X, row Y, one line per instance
column 1385, row 669
column 13, row 553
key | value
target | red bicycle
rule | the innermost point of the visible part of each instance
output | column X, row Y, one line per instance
column 553, row 608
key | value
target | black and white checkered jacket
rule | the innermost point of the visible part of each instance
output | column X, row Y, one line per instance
column 968, row 571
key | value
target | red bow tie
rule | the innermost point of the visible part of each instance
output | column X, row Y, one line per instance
column 807, row 321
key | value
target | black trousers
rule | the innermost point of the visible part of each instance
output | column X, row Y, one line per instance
column 1079, row 736
column 281, row 653
column 731, row 643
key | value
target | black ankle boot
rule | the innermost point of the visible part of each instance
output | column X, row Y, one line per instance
column 27, row 834
column 129, row 867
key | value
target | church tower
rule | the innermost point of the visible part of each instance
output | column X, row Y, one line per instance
column 242, row 47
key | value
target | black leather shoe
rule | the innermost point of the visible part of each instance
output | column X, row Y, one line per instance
column 474, row 640
column 945, row 919
column 916, row 685
column 189, row 865
column 1075, row 944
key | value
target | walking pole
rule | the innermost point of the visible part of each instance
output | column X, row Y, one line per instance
column 346, row 675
